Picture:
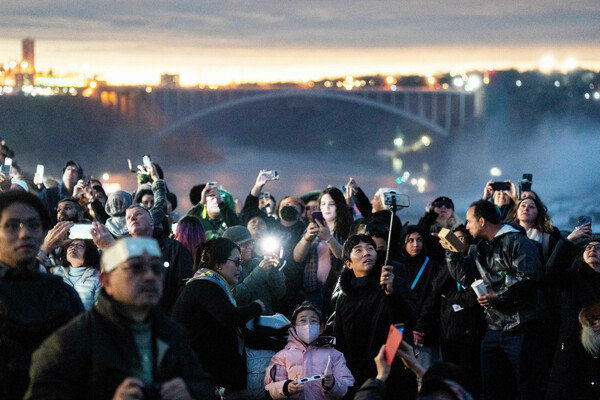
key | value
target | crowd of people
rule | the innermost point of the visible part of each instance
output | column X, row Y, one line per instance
column 116, row 296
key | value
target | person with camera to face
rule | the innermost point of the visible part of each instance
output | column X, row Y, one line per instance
column 124, row 347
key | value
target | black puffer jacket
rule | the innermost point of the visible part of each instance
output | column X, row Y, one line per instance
column 456, row 312
column 94, row 353
column 509, row 265
column 363, row 316
column 32, row 306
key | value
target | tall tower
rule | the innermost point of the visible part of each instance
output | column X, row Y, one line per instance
column 28, row 55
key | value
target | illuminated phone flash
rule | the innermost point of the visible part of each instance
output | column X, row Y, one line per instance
column 270, row 245
column 166, row 264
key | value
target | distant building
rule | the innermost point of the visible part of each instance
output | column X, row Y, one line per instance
column 28, row 56
column 169, row 80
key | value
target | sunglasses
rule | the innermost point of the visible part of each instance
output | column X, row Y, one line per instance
column 440, row 204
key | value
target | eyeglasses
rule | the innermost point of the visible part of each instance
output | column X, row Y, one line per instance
column 595, row 247
column 79, row 246
column 236, row 261
column 140, row 268
column 440, row 204
column 15, row 225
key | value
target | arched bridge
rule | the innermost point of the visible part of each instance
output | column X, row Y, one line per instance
column 436, row 111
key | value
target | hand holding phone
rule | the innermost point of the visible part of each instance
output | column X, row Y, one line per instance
column 318, row 216
column 500, row 186
column 395, row 335
column 6, row 166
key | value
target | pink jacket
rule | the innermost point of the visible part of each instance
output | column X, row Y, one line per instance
column 297, row 361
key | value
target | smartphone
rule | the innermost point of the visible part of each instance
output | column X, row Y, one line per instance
column 391, row 197
column 318, row 216
column 40, row 171
column 87, row 180
column 80, row 231
column 584, row 220
column 130, row 166
column 270, row 175
column 211, row 185
column 395, row 335
column 146, row 162
column 500, row 186
column 6, row 166
column 264, row 195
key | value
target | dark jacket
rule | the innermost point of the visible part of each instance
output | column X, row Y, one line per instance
column 579, row 283
column 94, row 353
column 51, row 197
column 456, row 313
column 179, row 270
column 32, row 306
column 423, row 290
column 363, row 315
column 575, row 374
column 509, row 265
column 211, row 321
column 372, row 389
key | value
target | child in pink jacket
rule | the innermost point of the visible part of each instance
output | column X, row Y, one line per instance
column 307, row 354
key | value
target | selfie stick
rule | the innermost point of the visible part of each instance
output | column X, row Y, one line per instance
column 393, row 209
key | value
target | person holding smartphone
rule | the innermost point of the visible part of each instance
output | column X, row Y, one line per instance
column 320, row 248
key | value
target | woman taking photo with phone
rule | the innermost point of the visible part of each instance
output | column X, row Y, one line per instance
column 320, row 248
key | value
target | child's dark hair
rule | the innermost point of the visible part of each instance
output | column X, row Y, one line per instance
column 306, row 305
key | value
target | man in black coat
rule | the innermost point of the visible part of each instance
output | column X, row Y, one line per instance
column 124, row 347
column 372, row 298
column 32, row 304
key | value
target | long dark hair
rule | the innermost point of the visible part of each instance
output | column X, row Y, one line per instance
column 343, row 219
column 409, row 230
column 213, row 253
column 91, row 257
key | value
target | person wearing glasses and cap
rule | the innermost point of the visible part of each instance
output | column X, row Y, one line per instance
column 124, row 347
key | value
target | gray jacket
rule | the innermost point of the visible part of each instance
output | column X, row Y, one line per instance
column 509, row 265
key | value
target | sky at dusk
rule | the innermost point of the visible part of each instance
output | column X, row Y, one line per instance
column 134, row 41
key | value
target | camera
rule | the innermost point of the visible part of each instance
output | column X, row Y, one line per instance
column 525, row 183
column 151, row 391
column 392, row 198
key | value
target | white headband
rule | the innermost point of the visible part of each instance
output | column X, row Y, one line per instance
column 124, row 249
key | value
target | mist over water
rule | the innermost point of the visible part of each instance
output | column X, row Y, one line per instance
column 319, row 144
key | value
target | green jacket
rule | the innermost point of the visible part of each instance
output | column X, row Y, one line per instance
column 257, row 284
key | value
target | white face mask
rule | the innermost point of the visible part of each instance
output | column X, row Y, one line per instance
column 308, row 333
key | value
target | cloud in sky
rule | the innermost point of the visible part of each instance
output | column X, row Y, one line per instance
column 182, row 29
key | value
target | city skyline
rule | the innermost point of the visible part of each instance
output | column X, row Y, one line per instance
column 240, row 41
